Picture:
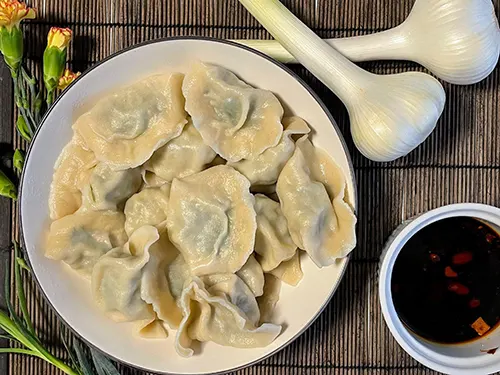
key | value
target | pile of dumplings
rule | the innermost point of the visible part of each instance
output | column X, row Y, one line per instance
column 184, row 200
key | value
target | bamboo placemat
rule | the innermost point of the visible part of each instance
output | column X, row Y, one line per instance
column 460, row 162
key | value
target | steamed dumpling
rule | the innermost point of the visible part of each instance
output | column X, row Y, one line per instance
column 71, row 171
column 211, row 220
column 148, row 207
column 108, row 189
column 273, row 243
column 124, row 129
column 251, row 273
column 311, row 189
column 289, row 271
column 81, row 239
column 266, row 167
column 235, row 119
column 214, row 318
column 129, row 283
column 116, row 279
column 182, row 156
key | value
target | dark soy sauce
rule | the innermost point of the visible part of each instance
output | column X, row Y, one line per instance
column 446, row 281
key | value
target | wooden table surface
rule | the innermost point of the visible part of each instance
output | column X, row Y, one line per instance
column 460, row 162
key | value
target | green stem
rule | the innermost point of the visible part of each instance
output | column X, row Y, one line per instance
column 27, row 76
column 59, row 364
column 31, row 82
column 8, row 326
column 30, row 341
column 20, row 292
column 38, row 106
column 19, row 105
column 19, row 351
column 50, row 358
column 25, row 102
column 24, row 96
column 13, row 73
column 50, row 97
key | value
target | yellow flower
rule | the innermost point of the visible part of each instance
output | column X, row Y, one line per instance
column 59, row 37
column 12, row 12
column 66, row 79
column 54, row 58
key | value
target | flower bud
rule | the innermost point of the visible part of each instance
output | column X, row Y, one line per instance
column 11, row 45
column 54, row 57
column 18, row 161
column 67, row 78
column 22, row 128
column 12, row 12
column 7, row 187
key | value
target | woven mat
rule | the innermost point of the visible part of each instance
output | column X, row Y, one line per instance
column 460, row 162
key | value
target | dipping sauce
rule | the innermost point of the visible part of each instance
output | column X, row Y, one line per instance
column 446, row 281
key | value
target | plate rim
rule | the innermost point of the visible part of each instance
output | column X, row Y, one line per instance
column 344, row 261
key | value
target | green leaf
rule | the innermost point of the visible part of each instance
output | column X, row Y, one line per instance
column 74, row 360
column 22, row 263
column 22, row 127
column 85, row 365
column 102, row 363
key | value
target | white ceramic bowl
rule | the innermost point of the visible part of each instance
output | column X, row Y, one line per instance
column 70, row 296
column 467, row 359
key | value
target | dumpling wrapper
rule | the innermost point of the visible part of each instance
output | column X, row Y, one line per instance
column 108, row 189
column 289, row 271
column 71, row 171
column 81, row 239
column 215, row 318
column 267, row 302
column 182, row 156
column 211, row 220
column 125, row 128
column 238, row 293
column 266, row 167
column 147, row 207
column 178, row 273
column 311, row 189
column 251, row 273
column 273, row 242
column 155, row 287
column 235, row 119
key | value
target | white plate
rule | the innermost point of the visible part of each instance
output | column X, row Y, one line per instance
column 70, row 295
